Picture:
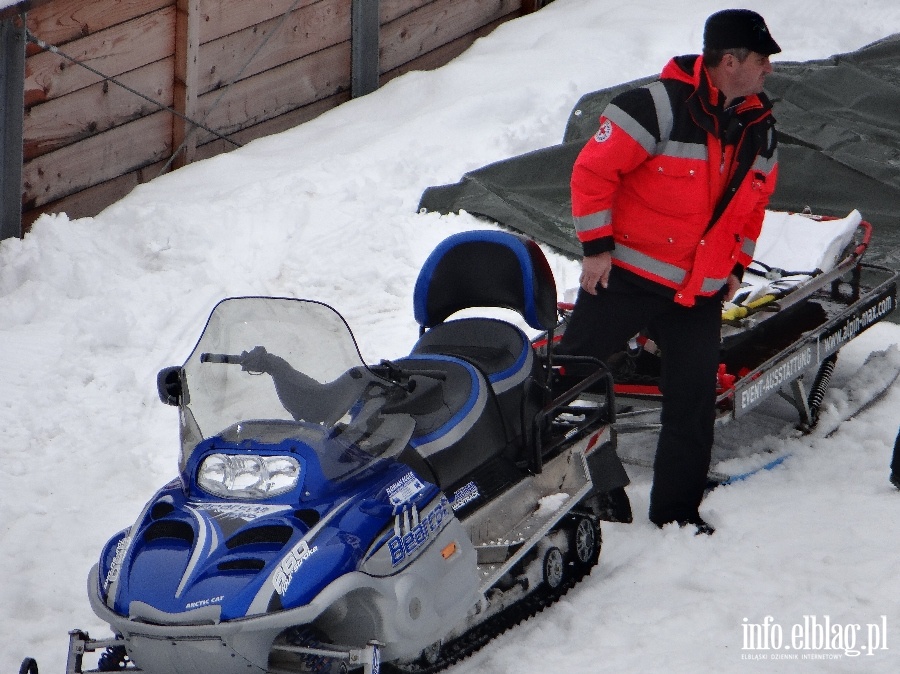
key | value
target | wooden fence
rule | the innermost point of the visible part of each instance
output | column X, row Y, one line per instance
column 115, row 92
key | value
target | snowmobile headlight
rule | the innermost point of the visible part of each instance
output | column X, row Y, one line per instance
column 248, row 475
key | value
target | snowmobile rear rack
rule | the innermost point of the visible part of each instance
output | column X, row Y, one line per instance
column 590, row 417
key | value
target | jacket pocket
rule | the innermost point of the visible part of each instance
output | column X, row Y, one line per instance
column 673, row 187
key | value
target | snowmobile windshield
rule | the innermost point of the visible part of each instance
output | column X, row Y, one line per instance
column 270, row 369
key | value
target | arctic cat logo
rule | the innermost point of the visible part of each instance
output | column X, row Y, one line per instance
column 116, row 567
column 203, row 602
column 411, row 532
column 290, row 565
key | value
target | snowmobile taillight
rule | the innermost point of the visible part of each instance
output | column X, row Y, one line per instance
column 248, row 476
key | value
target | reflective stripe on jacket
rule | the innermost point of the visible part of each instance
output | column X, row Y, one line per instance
column 659, row 187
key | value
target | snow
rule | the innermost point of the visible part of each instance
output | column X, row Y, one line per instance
column 91, row 309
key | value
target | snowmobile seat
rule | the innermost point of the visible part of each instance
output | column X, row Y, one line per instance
column 499, row 349
column 465, row 432
column 489, row 269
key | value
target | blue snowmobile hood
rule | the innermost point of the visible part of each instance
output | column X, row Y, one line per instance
column 192, row 553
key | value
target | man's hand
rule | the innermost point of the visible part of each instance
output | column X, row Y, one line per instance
column 595, row 269
column 734, row 284
column 255, row 361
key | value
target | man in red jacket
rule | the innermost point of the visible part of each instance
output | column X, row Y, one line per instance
column 668, row 199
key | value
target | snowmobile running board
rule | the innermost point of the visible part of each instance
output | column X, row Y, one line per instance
column 503, row 550
column 369, row 658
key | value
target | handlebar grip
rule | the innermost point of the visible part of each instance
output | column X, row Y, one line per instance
column 440, row 375
column 220, row 358
column 398, row 372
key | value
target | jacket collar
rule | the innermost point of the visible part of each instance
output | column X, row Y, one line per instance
column 706, row 100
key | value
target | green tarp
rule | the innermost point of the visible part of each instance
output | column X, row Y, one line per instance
column 839, row 134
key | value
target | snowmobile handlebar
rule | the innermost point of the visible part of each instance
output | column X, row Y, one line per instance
column 397, row 374
column 255, row 360
column 228, row 358
column 386, row 368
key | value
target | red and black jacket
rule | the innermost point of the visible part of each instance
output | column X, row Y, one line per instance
column 678, row 199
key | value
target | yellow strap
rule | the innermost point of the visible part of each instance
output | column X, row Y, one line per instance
column 745, row 310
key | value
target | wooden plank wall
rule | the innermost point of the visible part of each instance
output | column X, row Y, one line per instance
column 242, row 69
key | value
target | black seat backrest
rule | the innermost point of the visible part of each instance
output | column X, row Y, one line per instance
column 486, row 268
column 489, row 269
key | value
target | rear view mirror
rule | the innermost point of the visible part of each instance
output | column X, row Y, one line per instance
column 168, row 385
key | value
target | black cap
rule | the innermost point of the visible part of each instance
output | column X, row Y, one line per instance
column 736, row 28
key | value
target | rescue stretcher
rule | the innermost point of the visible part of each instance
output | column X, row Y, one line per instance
column 782, row 334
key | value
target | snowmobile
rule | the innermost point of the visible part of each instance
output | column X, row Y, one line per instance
column 331, row 515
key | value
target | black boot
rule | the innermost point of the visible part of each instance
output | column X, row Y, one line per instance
column 702, row 526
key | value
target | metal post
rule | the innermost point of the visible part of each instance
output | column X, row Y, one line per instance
column 12, row 113
column 364, row 65
column 187, row 47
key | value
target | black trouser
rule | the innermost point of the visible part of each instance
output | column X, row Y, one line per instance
column 689, row 340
